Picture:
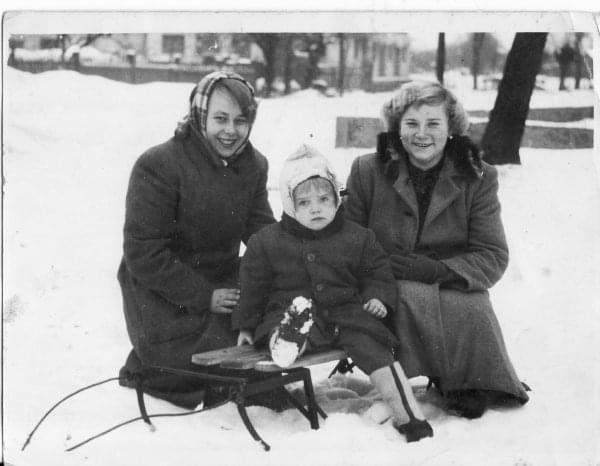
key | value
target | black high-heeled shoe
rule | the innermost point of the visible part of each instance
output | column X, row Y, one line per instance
column 415, row 430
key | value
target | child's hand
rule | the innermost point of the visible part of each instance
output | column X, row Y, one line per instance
column 375, row 307
column 245, row 338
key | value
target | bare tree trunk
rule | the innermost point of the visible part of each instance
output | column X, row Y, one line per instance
column 503, row 134
column 316, row 50
column 477, row 44
column 12, row 61
column 564, row 56
column 63, row 47
column 342, row 64
column 440, row 62
column 366, row 62
column 89, row 38
column 268, row 43
column 287, row 64
column 578, row 59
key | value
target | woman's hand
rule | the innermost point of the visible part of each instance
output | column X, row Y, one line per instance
column 245, row 338
column 417, row 267
column 224, row 300
column 376, row 308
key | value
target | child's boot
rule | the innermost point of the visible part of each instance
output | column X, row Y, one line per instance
column 289, row 338
column 393, row 385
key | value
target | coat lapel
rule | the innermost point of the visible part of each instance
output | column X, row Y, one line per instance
column 404, row 188
column 444, row 193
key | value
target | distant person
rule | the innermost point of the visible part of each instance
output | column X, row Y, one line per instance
column 433, row 205
column 566, row 56
column 191, row 201
column 315, row 280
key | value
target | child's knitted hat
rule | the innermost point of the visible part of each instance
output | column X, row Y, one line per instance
column 303, row 164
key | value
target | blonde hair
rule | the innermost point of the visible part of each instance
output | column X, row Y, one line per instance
column 417, row 93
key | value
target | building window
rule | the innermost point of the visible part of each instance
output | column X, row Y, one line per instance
column 396, row 61
column 356, row 43
column 172, row 44
column 403, row 59
column 403, row 54
column 207, row 44
column 381, row 55
column 49, row 43
column 16, row 42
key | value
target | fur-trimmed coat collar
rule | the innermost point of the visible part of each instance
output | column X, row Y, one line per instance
column 463, row 152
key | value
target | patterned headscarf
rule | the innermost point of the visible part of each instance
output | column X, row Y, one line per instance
column 203, row 90
column 195, row 120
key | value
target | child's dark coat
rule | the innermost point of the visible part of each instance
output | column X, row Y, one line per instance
column 340, row 272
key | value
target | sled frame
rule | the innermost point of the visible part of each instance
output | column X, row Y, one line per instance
column 244, row 371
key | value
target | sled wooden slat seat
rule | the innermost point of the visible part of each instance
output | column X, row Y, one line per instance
column 247, row 357
column 244, row 371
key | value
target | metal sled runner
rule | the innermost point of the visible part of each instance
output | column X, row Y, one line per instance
column 243, row 371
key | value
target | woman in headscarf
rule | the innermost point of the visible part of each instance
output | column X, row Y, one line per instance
column 433, row 205
column 191, row 201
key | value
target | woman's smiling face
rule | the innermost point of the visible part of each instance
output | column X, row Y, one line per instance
column 226, row 126
column 424, row 133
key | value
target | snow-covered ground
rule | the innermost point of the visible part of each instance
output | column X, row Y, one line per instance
column 69, row 144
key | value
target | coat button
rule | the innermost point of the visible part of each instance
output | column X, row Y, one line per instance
column 408, row 213
column 310, row 257
column 320, row 287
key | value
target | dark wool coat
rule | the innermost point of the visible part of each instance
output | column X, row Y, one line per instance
column 340, row 272
column 449, row 333
column 186, row 214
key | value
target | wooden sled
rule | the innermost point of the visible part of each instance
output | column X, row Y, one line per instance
column 244, row 371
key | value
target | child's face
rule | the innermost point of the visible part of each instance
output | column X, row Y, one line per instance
column 314, row 207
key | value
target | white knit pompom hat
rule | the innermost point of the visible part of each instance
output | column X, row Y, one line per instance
column 305, row 163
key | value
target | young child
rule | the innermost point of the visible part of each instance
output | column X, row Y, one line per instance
column 315, row 280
